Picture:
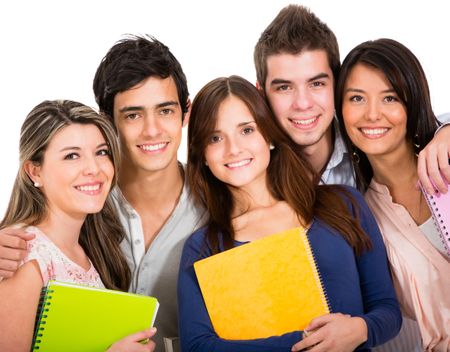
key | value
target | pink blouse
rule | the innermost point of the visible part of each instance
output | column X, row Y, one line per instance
column 421, row 274
column 55, row 265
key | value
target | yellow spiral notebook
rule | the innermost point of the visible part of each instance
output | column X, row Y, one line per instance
column 264, row 288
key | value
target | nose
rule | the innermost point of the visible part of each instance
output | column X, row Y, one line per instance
column 91, row 166
column 233, row 146
column 302, row 99
column 151, row 127
column 373, row 111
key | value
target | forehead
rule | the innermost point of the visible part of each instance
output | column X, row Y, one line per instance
column 367, row 76
column 76, row 135
column 303, row 65
column 150, row 92
column 232, row 111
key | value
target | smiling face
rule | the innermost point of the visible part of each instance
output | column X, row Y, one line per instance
column 237, row 154
column 374, row 116
column 76, row 174
column 300, row 91
column 148, row 117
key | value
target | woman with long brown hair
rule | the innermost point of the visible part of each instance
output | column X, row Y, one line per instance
column 246, row 171
column 69, row 156
column 384, row 107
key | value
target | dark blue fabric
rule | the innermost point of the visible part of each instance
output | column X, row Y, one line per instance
column 359, row 286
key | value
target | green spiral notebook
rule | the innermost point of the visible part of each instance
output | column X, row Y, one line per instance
column 73, row 317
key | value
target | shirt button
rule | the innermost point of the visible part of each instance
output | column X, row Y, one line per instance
column 141, row 291
column 137, row 242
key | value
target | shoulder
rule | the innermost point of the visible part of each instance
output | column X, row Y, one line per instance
column 196, row 247
column 196, row 240
column 40, row 244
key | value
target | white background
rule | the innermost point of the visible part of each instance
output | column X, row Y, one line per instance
column 51, row 49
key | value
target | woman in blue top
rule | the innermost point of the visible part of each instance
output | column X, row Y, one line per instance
column 249, row 175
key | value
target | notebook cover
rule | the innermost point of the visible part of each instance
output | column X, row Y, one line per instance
column 264, row 288
column 80, row 318
column 439, row 205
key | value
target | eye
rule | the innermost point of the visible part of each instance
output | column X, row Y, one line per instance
column 166, row 111
column 132, row 116
column 215, row 139
column 103, row 152
column 71, row 156
column 317, row 84
column 390, row 99
column 283, row 87
column 356, row 98
column 248, row 130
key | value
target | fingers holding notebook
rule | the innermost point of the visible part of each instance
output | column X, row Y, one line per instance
column 138, row 342
column 333, row 332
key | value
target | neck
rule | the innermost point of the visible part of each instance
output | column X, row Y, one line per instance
column 252, row 197
column 150, row 189
column 396, row 170
column 62, row 229
column 319, row 154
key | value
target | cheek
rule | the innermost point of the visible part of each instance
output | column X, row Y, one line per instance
column 108, row 169
column 278, row 103
column 350, row 115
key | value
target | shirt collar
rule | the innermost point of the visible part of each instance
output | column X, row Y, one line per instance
column 339, row 147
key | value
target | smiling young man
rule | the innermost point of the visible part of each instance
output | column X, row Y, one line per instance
column 297, row 63
column 141, row 86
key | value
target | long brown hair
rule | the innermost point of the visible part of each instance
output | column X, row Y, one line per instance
column 290, row 177
column 101, row 233
column 405, row 73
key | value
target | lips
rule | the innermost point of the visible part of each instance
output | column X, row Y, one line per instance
column 91, row 188
column 304, row 122
column 238, row 164
column 374, row 132
column 154, row 147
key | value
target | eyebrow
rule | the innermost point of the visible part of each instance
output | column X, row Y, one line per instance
column 141, row 107
column 101, row 145
column 358, row 90
column 239, row 125
column 314, row 78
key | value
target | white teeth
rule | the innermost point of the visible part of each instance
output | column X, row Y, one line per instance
column 374, row 131
column 239, row 163
column 89, row 188
column 304, row 122
column 153, row 147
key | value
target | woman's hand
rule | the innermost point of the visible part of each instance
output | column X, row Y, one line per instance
column 333, row 333
column 131, row 343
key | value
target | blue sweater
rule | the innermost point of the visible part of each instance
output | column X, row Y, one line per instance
column 359, row 286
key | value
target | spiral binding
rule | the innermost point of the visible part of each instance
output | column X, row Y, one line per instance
column 439, row 223
column 43, row 309
column 317, row 275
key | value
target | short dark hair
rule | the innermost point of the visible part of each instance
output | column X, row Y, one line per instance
column 129, row 62
column 294, row 30
column 404, row 72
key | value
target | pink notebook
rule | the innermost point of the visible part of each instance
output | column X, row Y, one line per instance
column 439, row 204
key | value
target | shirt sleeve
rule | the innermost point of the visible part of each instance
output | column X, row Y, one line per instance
column 38, row 250
column 381, row 309
column 196, row 331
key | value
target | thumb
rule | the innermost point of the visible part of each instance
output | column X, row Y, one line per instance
column 318, row 322
column 142, row 335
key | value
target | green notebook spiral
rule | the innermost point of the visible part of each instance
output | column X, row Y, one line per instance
column 73, row 317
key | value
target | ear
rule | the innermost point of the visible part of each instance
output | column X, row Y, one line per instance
column 260, row 88
column 187, row 114
column 33, row 171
